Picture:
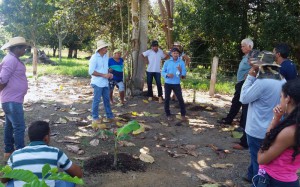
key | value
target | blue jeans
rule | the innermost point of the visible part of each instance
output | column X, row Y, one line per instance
column 14, row 129
column 156, row 76
column 254, row 145
column 98, row 93
column 177, row 90
column 57, row 184
column 267, row 181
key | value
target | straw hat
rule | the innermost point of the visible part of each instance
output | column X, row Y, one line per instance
column 117, row 50
column 14, row 42
column 177, row 44
column 101, row 44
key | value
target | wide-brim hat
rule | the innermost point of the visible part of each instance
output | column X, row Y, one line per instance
column 176, row 44
column 14, row 42
column 263, row 58
column 101, row 44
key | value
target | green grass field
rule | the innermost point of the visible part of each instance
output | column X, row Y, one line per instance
column 198, row 79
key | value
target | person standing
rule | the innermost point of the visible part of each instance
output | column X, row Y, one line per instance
column 13, row 86
column 244, row 67
column 278, row 156
column 153, row 58
column 288, row 69
column 116, row 66
column 98, row 69
column 172, row 71
column 262, row 93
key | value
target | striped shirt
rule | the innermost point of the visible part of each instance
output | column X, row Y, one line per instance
column 34, row 156
column 117, row 68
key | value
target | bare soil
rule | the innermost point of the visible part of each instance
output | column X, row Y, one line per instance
column 186, row 154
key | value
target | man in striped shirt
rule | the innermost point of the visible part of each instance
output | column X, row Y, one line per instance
column 38, row 153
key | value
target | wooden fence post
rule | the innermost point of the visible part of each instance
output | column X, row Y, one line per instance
column 213, row 77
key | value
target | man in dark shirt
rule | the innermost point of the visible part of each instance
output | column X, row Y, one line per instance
column 288, row 69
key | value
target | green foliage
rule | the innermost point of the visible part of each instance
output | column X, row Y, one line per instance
column 32, row 180
column 128, row 128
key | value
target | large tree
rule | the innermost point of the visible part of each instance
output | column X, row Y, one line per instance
column 28, row 18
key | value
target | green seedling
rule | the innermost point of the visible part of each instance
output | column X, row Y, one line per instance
column 121, row 134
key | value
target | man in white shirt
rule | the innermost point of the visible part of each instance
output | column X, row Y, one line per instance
column 153, row 58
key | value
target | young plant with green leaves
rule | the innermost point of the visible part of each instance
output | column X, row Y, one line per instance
column 122, row 134
column 31, row 180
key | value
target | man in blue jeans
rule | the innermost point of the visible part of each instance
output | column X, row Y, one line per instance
column 38, row 153
column 262, row 93
column 153, row 58
column 98, row 69
column 13, row 88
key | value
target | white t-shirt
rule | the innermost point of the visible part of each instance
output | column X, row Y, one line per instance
column 154, row 59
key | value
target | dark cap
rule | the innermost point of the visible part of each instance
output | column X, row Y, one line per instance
column 154, row 43
column 176, row 49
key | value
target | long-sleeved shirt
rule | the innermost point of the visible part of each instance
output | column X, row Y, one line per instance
column 99, row 64
column 170, row 67
column 13, row 72
column 262, row 95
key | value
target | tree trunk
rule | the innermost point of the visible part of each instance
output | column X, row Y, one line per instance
column 34, row 60
column 54, row 51
column 167, row 20
column 59, row 47
column 70, row 52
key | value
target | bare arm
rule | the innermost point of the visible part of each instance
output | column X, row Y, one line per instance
column 75, row 170
column 145, row 59
column 284, row 140
column 97, row 74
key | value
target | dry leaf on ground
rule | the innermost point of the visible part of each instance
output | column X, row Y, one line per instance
column 146, row 158
column 94, row 142
column 221, row 166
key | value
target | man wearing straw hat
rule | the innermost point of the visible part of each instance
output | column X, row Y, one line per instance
column 98, row 69
column 13, row 88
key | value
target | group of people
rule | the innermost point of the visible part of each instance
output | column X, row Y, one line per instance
column 268, row 93
column 269, row 96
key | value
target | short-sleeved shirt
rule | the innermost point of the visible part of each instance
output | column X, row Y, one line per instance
column 288, row 70
column 117, row 68
column 34, row 156
column 13, row 72
column 154, row 59
column 99, row 64
column 244, row 68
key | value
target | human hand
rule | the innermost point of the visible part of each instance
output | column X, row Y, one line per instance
column 253, row 71
column 278, row 112
column 179, row 68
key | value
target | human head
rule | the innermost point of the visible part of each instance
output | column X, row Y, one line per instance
column 39, row 131
column 16, row 45
column 117, row 53
column 246, row 45
column 102, row 47
column 290, row 95
column 154, row 45
column 177, row 45
column 175, row 53
column 281, row 52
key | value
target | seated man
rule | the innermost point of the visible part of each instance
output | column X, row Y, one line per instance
column 38, row 153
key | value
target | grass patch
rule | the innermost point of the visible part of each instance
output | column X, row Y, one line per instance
column 70, row 67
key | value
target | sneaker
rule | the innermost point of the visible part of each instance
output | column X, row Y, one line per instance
column 160, row 100
column 150, row 98
column 109, row 120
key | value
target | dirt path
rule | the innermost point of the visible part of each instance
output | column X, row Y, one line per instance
column 184, row 155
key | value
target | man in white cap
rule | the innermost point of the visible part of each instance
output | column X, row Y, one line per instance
column 13, row 88
column 98, row 69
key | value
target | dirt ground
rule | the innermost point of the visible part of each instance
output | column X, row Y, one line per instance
column 196, row 154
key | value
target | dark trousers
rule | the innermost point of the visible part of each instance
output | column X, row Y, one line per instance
column 177, row 90
column 156, row 76
column 267, row 181
column 235, row 108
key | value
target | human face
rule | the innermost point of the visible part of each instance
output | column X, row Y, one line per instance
column 117, row 55
column 21, row 50
column 175, row 55
column 155, row 48
column 276, row 54
column 245, row 48
column 103, row 50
